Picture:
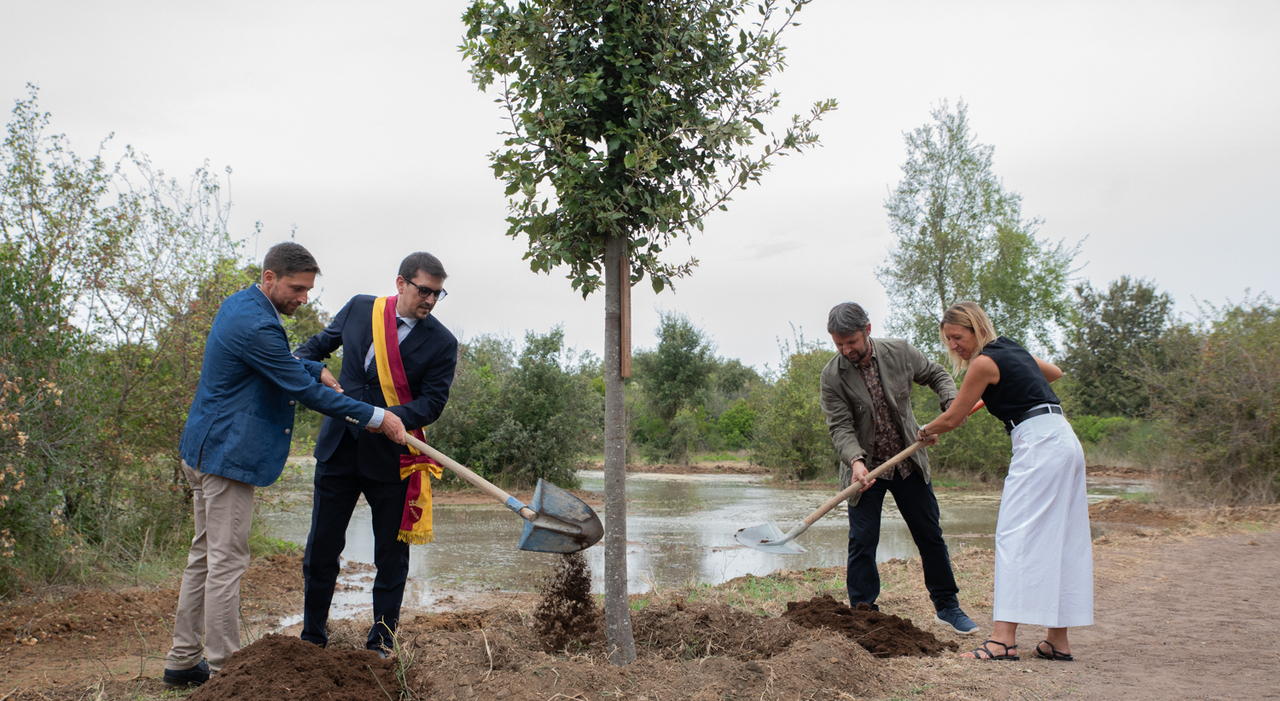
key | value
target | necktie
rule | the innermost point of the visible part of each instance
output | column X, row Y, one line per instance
column 371, row 371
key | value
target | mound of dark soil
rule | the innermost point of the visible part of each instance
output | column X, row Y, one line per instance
column 567, row 612
column 882, row 634
column 285, row 667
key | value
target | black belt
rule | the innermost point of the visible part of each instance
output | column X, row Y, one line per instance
column 1051, row 409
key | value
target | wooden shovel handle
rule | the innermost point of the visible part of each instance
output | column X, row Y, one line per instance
column 485, row 485
column 888, row 464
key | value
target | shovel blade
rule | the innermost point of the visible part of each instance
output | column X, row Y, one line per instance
column 760, row 537
column 565, row 524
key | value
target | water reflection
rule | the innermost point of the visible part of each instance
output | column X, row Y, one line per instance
column 679, row 528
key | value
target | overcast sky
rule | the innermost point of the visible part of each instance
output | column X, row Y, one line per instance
column 1147, row 130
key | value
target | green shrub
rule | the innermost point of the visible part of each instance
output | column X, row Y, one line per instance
column 110, row 276
column 791, row 431
column 518, row 423
column 737, row 425
column 1217, row 391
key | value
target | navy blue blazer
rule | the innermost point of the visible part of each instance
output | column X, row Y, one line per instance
column 241, row 418
column 430, row 355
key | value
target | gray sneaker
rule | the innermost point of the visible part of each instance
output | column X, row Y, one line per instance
column 955, row 619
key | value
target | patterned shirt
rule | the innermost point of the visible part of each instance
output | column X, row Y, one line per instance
column 888, row 441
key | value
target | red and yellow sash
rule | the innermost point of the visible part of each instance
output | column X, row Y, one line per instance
column 415, row 525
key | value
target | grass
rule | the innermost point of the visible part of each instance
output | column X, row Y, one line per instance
column 758, row 595
column 261, row 544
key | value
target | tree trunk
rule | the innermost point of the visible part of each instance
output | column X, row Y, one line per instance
column 617, row 612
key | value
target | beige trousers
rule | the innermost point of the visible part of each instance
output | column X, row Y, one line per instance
column 208, row 620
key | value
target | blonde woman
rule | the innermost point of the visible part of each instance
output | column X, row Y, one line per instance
column 1044, row 554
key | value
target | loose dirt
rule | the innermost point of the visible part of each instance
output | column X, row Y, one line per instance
column 882, row 634
column 1132, row 513
column 283, row 667
column 566, row 615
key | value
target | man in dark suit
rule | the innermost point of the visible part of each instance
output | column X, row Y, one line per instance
column 349, row 464
column 236, row 438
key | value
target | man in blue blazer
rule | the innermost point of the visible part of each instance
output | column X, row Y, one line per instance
column 349, row 463
column 236, row 438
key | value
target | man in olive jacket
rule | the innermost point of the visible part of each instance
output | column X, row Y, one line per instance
column 866, row 395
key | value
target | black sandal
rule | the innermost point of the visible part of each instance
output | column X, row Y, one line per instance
column 1053, row 653
column 1009, row 653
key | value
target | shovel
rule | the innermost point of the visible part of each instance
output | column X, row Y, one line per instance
column 554, row 522
column 767, row 537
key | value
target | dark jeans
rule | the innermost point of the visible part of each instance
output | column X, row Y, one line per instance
column 919, row 508
column 338, row 484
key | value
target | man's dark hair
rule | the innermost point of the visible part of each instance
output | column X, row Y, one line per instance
column 289, row 258
column 422, row 262
column 847, row 319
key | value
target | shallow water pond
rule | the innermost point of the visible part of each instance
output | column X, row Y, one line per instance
column 679, row 529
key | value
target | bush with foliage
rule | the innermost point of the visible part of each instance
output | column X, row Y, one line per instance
column 680, row 391
column 110, row 275
column 791, row 431
column 1218, row 389
column 515, row 420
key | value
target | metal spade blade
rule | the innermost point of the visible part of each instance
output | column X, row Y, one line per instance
column 765, row 538
column 564, row 523
column 555, row 522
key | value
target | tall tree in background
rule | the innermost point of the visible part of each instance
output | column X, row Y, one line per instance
column 1115, row 334
column 638, row 115
column 961, row 235
column 678, row 371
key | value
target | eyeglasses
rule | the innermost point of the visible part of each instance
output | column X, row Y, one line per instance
column 426, row 292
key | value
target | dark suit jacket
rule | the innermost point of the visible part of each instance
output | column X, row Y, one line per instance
column 430, row 354
column 241, row 418
column 847, row 403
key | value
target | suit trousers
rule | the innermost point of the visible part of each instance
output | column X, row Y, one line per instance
column 209, row 600
column 919, row 508
column 338, row 485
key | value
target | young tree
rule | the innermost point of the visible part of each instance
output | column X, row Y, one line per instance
column 638, row 116
column 1114, row 334
column 960, row 235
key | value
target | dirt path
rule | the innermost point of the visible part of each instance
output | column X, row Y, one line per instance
column 1197, row 619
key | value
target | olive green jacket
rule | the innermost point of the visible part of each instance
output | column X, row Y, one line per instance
column 847, row 403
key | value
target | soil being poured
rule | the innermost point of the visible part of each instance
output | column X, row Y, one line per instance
column 567, row 614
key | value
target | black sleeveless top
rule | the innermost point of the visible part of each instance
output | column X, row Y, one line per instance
column 1022, row 386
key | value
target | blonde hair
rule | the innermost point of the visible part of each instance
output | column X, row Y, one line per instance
column 970, row 316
